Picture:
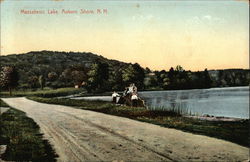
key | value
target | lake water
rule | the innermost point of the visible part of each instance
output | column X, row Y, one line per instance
column 227, row 102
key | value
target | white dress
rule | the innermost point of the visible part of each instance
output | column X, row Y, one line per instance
column 134, row 97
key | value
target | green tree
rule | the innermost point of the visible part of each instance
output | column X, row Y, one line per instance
column 115, row 79
column 178, row 78
column 52, row 76
column 160, row 75
column 66, row 75
column 33, row 81
column 41, row 80
column 98, row 77
column 9, row 78
column 79, row 77
column 128, row 75
column 150, row 81
column 134, row 74
column 207, row 79
column 139, row 76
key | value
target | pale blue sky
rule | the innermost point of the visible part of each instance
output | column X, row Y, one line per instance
column 158, row 34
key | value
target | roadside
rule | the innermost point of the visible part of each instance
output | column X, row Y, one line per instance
column 3, row 107
column 90, row 136
column 43, row 93
column 20, row 138
column 236, row 131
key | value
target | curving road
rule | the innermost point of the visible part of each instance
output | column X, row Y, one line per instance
column 80, row 135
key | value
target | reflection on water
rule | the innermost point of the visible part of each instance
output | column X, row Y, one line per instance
column 229, row 102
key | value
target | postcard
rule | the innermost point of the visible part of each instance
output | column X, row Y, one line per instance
column 120, row 81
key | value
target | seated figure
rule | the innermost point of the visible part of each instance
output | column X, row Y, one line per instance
column 134, row 99
column 114, row 97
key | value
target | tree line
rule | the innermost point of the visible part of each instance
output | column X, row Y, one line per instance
column 99, row 77
column 57, row 70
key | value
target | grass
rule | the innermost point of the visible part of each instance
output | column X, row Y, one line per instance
column 106, row 107
column 3, row 104
column 43, row 93
column 23, row 138
column 234, row 131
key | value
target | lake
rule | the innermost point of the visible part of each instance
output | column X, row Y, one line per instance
column 227, row 102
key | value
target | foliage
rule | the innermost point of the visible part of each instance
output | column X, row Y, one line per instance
column 115, row 79
column 150, row 81
column 98, row 77
column 41, row 80
column 79, row 77
column 9, row 77
column 52, row 76
column 33, row 81
column 98, row 74
column 134, row 74
column 178, row 78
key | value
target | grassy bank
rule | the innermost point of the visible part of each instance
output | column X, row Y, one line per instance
column 234, row 131
column 43, row 93
column 23, row 138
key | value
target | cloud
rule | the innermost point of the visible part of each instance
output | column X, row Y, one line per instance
column 208, row 17
column 211, row 18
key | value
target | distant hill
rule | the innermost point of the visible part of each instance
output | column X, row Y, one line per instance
column 36, row 63
column 54, row 58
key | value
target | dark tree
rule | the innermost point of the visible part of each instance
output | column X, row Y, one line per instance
column 52, row 76
column 33, row 81
column 79, row 77
column 139, row 76
column 147, row 70
column 172, row 78
column 9, row 78
column 207, row 79
column 98, row 77
column 171, row 74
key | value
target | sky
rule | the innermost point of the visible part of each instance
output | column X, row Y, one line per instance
column 155, row 34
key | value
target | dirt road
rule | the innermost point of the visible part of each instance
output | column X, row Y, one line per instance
column 79, row 135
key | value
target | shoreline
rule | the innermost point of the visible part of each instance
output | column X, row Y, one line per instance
column 216, row 118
